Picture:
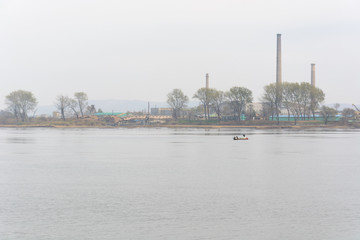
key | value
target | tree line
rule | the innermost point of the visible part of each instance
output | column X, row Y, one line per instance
column 21, row 103
column 212, row 99
column 77, row 104
column 299, row 100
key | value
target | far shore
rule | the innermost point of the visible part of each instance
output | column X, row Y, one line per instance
column 322, row 126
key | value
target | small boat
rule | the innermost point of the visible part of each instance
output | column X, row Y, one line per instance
column 240, row 138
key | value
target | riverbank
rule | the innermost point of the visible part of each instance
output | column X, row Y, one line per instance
column 323, row 126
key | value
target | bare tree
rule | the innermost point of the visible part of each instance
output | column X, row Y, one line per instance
column 62, row 104
column 266, row 111
column 301, row 99
column 203, row 94
column 250, row 112
column 177, row 101
column 91, row 109
column 348, row 113
column 20, row 103
column 287, row 97
column 81, row 99
column 278, row 100
column 73, row 105
column 292, row 100
column 269, row 99
column 305, row 97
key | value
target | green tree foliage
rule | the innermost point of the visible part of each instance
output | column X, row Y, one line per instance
column 317, row 98
column 203, row 94
column 20, row 103
column 216, row 99
column 327, row 113
column 177, row 101
column 239, row 97
column 299, row 99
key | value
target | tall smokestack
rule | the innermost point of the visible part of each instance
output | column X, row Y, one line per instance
column 278, row 60
column 313, row 74
column 207, row 81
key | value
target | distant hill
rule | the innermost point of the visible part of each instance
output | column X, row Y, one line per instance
column 342, row 105
column 45, row 110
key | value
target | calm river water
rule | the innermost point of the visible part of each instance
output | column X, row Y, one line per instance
column 179, row 184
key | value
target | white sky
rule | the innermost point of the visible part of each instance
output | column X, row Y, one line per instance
column 142, row 49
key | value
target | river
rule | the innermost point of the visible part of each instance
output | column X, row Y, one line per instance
column 179, row 184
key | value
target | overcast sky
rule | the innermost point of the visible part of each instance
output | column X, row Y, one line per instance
column 142, row 49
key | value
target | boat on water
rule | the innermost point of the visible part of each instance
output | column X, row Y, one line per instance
column 240, row 138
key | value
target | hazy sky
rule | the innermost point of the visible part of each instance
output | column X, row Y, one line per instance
column 142, row 49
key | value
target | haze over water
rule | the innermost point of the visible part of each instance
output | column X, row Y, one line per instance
column 179, row 184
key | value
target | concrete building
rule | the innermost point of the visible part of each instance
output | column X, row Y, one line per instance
column 154, row 111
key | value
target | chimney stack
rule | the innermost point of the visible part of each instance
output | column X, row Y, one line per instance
column 207, row 81
column 313, row 74
column 278, row 60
